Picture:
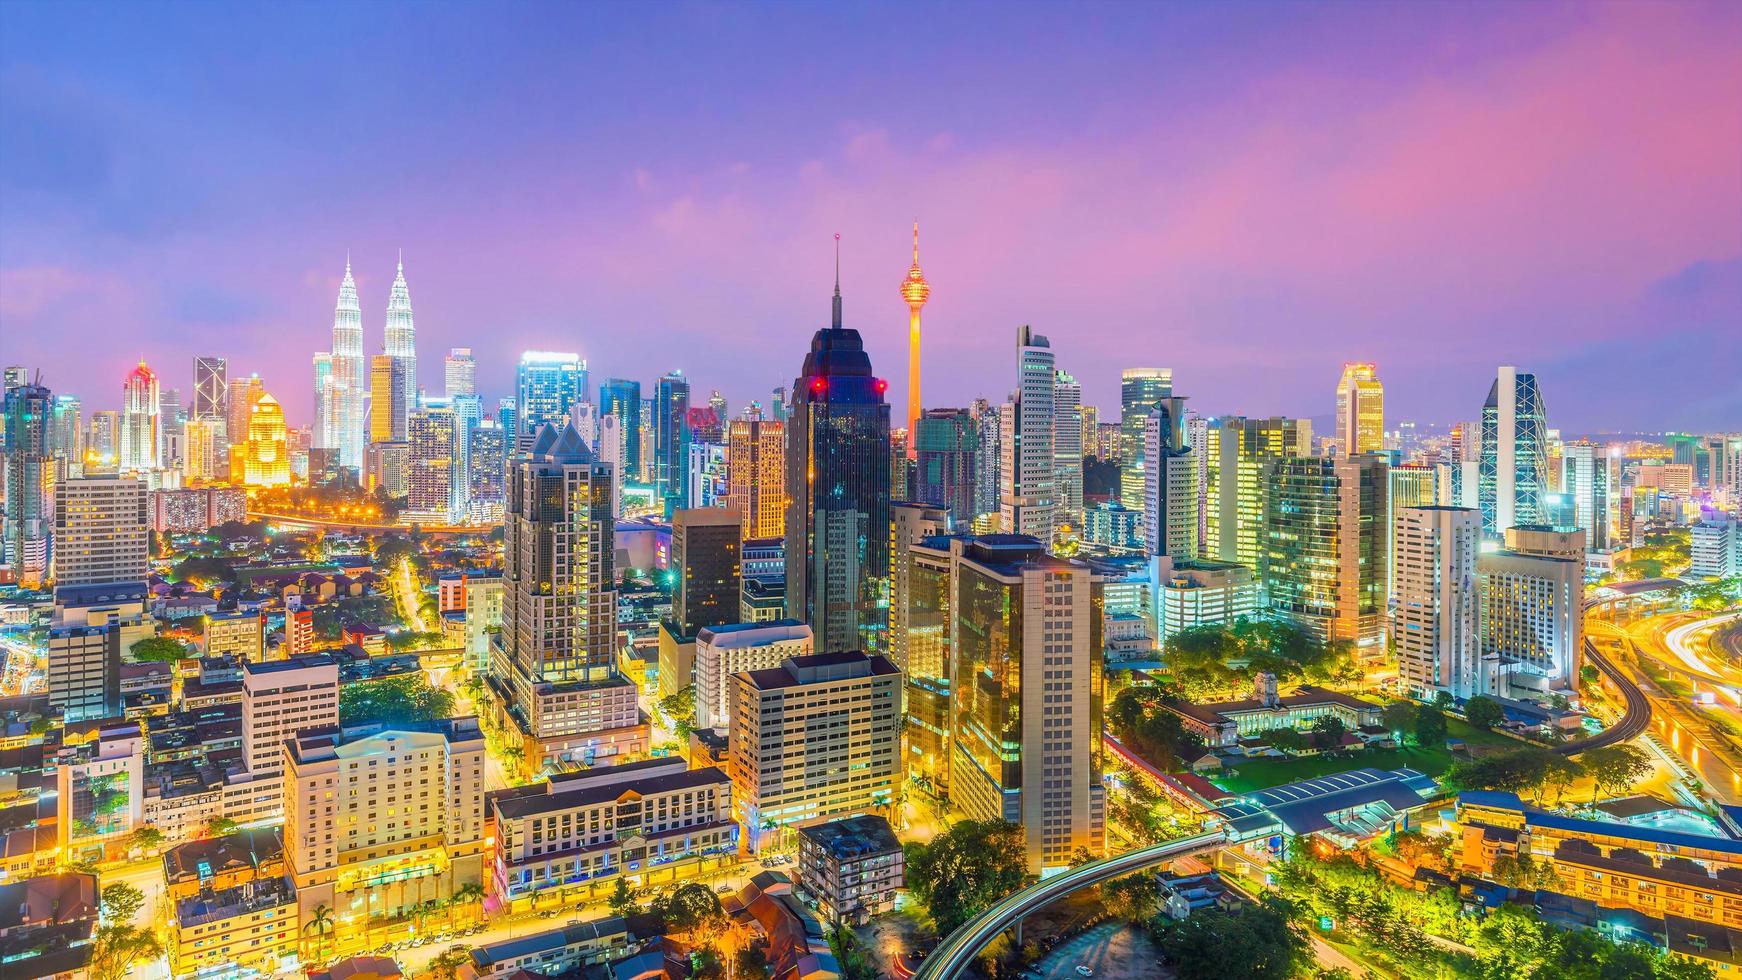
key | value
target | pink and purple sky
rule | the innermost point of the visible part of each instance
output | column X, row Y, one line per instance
column 1247, row 194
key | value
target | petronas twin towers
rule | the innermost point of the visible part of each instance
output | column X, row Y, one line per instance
column 342, row 377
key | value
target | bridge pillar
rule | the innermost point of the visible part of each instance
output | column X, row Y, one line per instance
column 1018, row 930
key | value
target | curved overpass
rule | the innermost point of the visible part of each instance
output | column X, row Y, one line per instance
column 956, row 953
column 1632, row 723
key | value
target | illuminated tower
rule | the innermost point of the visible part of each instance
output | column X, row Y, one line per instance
column 1360, row 410
column 402, row 340
column 348, row 381
column 915, row 290
column 141, row 423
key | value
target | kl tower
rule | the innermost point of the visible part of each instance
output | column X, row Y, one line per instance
column 915, row 290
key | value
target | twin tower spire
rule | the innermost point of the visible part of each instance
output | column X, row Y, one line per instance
column 342, row 389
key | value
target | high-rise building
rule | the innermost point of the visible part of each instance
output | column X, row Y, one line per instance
column 1532, row 620
column 848, row 759
column 919, row 634
column 1026, row 631
column 623, row 399
column 1513, row 471
column 423, row 783
column 324, row 433
column 266, row 459
column 1235, row 451
column 1585, row 481
column 101, row 531
column 171, row 419
column 837, row 487
column 1067, row 449
column 211, row 388
column 704, row 554
column 1029, row 476
column 1438, row 615
column 1170, row 478
column 402, row 336
column 104, row 445
column 351, row 375
column 671, row 440
column 281, row 698
column 244, row 392
column 1139, row 390
column 459, row 373
column 724, row 650
column 141, row 423
column 547, row 385
column 914, row 291
column 554, row 662
column 1360, row 410
column 92, row 628
column 988, row 465
column 1324, row 547
column 26, row 527
column 437, row 485
column 756, row 475
column 1410, row 485
column 948, row 444
column 388, row 417
column 68, row 432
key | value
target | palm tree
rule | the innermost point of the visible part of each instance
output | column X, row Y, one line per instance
column 321, row 922
column 470, row 893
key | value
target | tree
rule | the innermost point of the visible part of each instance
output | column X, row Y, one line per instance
column 1588, row 675
column 622, row 900
column 220, row 826
column 1443, row 700
column 1483, row 712
column 146, row 838
column 1328, row 731
column 115, row 949
column 1284, row 740
column 447, row 965
column 1399, row 717
column 695, row 909
column 470, row 893
column 1430, row 728
column 1257, row 942
column 1615, row 768
column 1132, row 898
column 751, row 963
column 321, row 924
column 157, row 648
column 120, row 902
column 398, row 700
column 681, row 709
column 962, row 871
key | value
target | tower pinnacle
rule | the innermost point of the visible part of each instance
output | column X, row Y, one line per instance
column 915, row 291
column 836, row 321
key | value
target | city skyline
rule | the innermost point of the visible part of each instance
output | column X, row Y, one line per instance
column 1201, row 202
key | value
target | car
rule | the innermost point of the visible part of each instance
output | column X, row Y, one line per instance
column 723, row 889
column 1083, row 971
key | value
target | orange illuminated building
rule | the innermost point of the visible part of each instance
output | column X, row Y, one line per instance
column 915, row 290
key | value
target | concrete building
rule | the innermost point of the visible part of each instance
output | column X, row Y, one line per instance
column 281, row 698
column 1026, row 694
column 756, row 475
column 1027, row 467
column 565, row 839
column 377, row 819
column 582, row 943
column 101, row 531
column 818, row 736
column 238, row 634
column 1715, row 547
column 92, row 629
column 852, row 867
column 1360, row 410
column 722, row 651
column 1325, row 545
column 1170, row 483
column 704, row 557
column 1235, row 452
column 1437, row 618
column 1532, row 621
column 1193, row 593
column 919, row 635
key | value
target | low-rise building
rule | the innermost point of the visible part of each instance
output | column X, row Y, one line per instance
column 852, row 867
column 246, row 930
column 1223, row 724
column 577, row 945
column 656, row 820
column 46, row 925
column 238, row 634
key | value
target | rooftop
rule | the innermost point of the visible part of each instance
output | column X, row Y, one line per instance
column 853, row 837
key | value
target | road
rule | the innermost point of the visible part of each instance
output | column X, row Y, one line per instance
column 1115, row 950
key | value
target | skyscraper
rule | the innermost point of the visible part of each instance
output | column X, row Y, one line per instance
column 67, row 438
column 837, row 485
column 704, row 554
column 141, row 423
column 1026, row 458
column 1235, row 450
column 1024, row 622
column 948, row 443
column 1139, row 390
column 671, row 449
column 388, row 418
column 1325, row 543
column 350, row 377
column 436, row 481
column 487, row 460
column 101, row 531
column 554, row 663
column 323, row 432
column 919, row 633
column 1360, row 410
column 1513, row 471
column 756, row 475
column 623, row 399
column 244, row 392
column 1438, row 610
column 459, row 373
column 1067, row 449
column 547, row 384
column 28, row 413
column 1170, row 478
column 402, row 336
column 266, row 460
column 1585, row 480
column 915, row 291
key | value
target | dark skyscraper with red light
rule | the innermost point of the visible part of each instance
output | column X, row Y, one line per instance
column 837, row 479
